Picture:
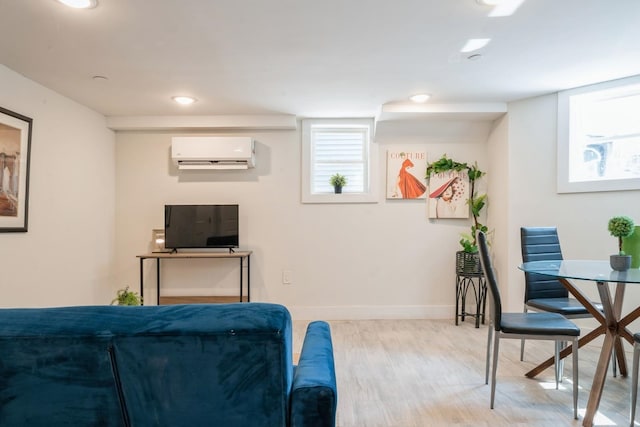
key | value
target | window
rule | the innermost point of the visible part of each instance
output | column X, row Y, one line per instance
column 343, row 146
column 599, row 137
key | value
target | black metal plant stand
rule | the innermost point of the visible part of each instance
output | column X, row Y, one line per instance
column 470, row 278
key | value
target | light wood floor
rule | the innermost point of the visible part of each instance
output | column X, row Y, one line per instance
column 416, row 373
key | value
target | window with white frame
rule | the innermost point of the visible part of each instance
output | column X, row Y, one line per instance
column 343, row 146
column 599, row 137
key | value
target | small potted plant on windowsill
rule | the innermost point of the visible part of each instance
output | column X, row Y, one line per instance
column 620, row 227
column 127, row 297
column 338, row 181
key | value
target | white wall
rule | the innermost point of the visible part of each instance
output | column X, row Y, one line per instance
column 581, row 218
column 384, row 260
column 498, row 217
column 66, row 257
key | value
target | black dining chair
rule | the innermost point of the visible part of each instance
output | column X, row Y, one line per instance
column 539, row 326
column 543, row 293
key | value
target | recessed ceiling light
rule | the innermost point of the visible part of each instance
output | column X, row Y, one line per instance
column 100, row 78
column 502, row 7
column 420, row 98
column 474, row 57
column 184, row 100
column 506, row 8
column 474, row 44
column 80, row 4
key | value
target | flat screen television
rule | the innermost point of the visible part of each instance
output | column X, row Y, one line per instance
column 201, row 226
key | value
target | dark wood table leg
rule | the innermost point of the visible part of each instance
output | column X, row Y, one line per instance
column 617, row 313
column 609, row 307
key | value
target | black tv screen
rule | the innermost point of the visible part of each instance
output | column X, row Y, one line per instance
column 201, row 226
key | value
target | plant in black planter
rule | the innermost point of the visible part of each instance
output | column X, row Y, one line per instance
column 127, row 297
column 620, row 227
column 338, row 181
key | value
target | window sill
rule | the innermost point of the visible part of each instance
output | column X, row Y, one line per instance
column 343, row 198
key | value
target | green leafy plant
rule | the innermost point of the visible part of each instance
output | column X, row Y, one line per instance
column 621, row 226
column 475, row 201
column 338, row 180
column 127, row 297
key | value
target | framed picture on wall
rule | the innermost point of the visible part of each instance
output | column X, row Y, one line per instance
column 406, row 171
column 15, row 146
column 449, row 194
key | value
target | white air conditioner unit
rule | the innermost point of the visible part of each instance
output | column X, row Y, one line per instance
column 212, row 152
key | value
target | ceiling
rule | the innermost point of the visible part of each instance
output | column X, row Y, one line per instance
column 331, row 58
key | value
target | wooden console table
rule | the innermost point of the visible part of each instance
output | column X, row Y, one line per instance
column 241, row 255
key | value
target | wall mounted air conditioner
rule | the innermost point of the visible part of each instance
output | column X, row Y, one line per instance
column 212, row 152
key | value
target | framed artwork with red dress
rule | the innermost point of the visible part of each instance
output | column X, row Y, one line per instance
column 406, row 170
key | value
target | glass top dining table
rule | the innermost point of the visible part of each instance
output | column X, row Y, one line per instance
column 613, row 325
column 593, row 270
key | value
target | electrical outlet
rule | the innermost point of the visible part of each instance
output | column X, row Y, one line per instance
column 286, row 277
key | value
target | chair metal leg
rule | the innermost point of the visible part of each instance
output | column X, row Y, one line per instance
column 556, row 364
column 575, row 377
column 563, row 345
column 522, row 340
column 486, row 375
column 496, row 344
column 634, row 383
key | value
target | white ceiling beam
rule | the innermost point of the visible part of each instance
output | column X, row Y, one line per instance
column 251, row 122
column 463, row 111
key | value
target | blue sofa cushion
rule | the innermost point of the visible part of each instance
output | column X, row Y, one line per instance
column 181, row 365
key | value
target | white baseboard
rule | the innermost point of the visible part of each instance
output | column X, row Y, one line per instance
column 362, row 312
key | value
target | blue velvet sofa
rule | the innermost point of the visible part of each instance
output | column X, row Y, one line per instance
column 190, row 365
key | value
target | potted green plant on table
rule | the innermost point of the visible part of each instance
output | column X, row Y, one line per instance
column 467, row 260
column 338, row 181
column 620, row 227
column 127, row 297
